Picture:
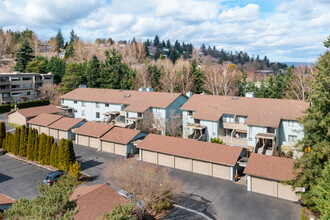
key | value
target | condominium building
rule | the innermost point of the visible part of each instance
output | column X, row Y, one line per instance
column 20, row 87
column 124, row 108
column 248, row 122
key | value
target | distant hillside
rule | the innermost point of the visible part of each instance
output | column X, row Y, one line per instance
column 298, row 63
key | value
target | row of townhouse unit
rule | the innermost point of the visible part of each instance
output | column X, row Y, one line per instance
column 259, row 123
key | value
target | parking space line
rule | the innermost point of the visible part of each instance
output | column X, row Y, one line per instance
column 190, row 210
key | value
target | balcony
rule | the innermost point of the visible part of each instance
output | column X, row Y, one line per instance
column 242, row 142
column 6, row 82
column 234, row 126
column 122, row 113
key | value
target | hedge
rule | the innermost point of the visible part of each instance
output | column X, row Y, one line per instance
column 8, row 107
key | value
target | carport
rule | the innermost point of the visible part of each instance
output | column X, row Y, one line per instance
column 42, row 122
column 63, row 127
column 89, row 133
column 266, row 175
column 190, row 155
column 120, row 140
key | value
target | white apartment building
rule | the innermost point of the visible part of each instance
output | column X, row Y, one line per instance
column 124, row 108
column 20, row 87
column 259, row 123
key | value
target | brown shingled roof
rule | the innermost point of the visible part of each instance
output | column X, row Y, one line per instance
column 120, row 135
column 259, row 111
column 4, row 200
column 44, row 119
column 217, row 153
column 65, row 123
column 270, row 167
column 140, row 101
column 94, row 201
column 93, row 129
column 34, row 111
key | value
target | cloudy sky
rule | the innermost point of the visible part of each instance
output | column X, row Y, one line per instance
column 282, row 30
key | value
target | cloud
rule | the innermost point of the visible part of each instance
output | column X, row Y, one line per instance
column 293, row 30
column 248, row 13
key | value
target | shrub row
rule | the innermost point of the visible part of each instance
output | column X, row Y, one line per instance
column 8, row 107
column 26, row 142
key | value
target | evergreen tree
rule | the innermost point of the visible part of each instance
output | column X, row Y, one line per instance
column 156, row 41
column 36, row 66
column 242, row 85
column 168, row 44
column 155, row 73
column 36, row 145
column 49, row 144
column 60, row 155
column 2, row 133
column 59, row 40
column 42, row 148
column 29, row 147
column 197, row 76
column 93, row 72
column 72, row 156
column 73, row 76
column 54, row 155
column 146, row 49
column 57, row 67
column 24, row 55
column 120, row 212
column 23, row 141
column 15, row 144
column 316, row 141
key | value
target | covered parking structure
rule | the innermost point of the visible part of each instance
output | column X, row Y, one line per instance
column 195, row 156
column 63, row 127
column 89, row 134
column 266, row 175
column 120, row 140
column 22, row 116
column 42, row 122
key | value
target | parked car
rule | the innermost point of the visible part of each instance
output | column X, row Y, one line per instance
column 2, row 152
column 52, row 177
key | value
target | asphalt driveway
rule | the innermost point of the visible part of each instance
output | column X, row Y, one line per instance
column 214, row 197
column 18, row 178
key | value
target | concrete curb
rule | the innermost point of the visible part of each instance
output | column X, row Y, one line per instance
column 38, row 165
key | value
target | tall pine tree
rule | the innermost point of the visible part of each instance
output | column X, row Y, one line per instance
column 2, row 132
column 316, row 142
column 29, row 147
column 23, row 56
column 93, row 72
column 42, row 148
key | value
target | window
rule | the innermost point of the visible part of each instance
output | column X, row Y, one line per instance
column 250, row 133
column 157, row 110
column 83, row 104
column 62, row 101
column 197, row 121
column 106, row 105
column 270, row 130
column 97, row 105
column 293, row 124
column 27, row 93
column 16, row 94
column 15, row 78
column 5, row 95
column 75, row 102
column 140, row 115
column 189, row 113
column 15, row 86
column 83, row 113
column 27, row 78
column 292, row 138
column 27, row 85
column 241, row 120
column 97, row 114
column 227, row 119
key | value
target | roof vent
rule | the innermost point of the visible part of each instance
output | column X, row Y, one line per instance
column 234, row 98
column 127, row 95
column 120, row 90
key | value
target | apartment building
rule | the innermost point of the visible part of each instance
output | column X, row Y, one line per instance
column 259, row 123
column 124, row 108
column 19, row 87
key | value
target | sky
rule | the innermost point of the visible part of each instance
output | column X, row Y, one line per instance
column 291, row 31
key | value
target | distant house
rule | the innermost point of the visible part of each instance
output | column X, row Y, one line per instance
column 93, row 201
column 266, row 175
column 21, row 116
column 124, row 108
column 5, row 202
column 259, row 123
column 210, row 159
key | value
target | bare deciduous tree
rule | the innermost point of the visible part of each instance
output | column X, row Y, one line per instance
column 48, row 91
column 133, row 54
column 185, row 78
column 300, row 83
column 147, row 182
column 152, row 124
column 221, row 79
column 169, row 78
column 143, row 77
column 174, row 124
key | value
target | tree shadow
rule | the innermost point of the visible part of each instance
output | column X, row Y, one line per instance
column 4, row 177
column 89, row 163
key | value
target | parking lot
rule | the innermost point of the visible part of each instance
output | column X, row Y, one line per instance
column 212, row 197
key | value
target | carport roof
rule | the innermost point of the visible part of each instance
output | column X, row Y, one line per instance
column 270, row 167
column 6, row 199
column 44, row 119
column 65, row 123
column 95, row 200
column 34, row 111
column 93, row 129
column 199, row 150
column 120, row 135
